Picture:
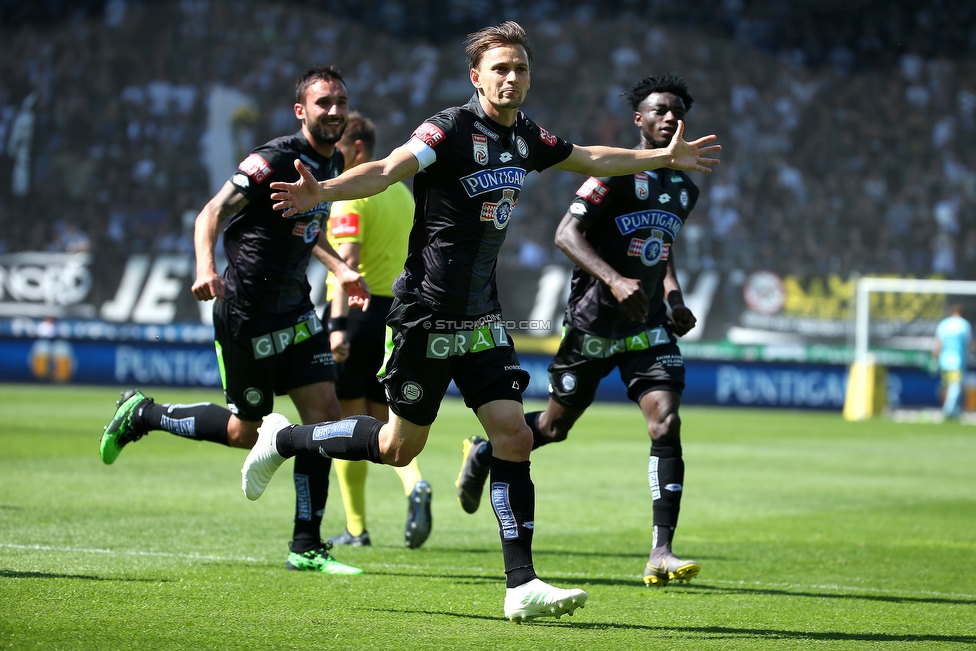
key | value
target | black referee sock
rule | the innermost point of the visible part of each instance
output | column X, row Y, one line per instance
column 311, row 491
column 200, row 422
column 356, row 438
column 513, row 500
column 666, row 476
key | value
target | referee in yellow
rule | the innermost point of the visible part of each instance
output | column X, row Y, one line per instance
column 370, row 235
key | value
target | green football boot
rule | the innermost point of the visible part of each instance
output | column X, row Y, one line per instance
column 122, row 429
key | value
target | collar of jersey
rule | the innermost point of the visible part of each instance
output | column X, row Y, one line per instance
column 474, row 106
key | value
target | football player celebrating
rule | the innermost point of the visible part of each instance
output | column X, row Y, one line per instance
column 619, row 231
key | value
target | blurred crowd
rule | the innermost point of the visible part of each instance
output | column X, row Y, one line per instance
column 847, row 131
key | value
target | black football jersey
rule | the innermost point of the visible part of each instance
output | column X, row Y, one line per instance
column 632, row 223
column 267, row 254
column 464, row 202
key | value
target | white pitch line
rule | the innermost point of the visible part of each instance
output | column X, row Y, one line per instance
column 89, row 550
column 562, row 575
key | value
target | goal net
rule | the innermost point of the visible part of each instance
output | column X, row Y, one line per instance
column 896, row 313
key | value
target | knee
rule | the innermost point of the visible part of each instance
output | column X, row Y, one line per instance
column 667, row 429
column 398, row 453
column 511, row 440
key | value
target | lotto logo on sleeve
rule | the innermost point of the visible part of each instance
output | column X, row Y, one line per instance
column 256, row 167
column 429, row 134
column 344, row 225
column 593, row 191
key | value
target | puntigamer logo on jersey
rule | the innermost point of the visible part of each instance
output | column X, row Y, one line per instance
column 503, row 178
column 664, row 220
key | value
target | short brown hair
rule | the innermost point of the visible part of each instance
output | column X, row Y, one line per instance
column 360, row 127
column 320, row 73
column 508, row 33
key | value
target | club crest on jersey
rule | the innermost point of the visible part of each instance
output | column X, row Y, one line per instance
column 523, row 149
column 480, row 144
column 499, row 213
column 593, row 190
column 683, row 198
column 652, row 250
column 503, row 178
column 640, row 186
column 308, row 231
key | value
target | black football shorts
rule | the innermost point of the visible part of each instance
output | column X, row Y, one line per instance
column 431, row 349
column 265, row 355
column 648, row 361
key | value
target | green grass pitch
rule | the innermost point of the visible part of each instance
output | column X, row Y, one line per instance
column 812, row 533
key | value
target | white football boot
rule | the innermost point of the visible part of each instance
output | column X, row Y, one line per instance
column 263, row 459
column 539, row 599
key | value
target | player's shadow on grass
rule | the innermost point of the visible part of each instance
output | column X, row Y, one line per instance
column 708, row 632
column 827, row 594
column 550, row 552
column 15, row 574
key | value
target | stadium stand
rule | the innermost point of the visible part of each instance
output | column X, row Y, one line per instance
column 845, row 128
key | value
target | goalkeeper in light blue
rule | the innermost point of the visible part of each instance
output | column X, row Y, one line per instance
column 953, row 340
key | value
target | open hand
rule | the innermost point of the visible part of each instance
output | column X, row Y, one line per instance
column 297, row 197
column 689, row 155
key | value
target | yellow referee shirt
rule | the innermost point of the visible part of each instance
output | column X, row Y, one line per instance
column 381, row 225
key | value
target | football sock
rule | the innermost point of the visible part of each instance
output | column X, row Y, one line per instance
column 356, row 438
column 409, row 475
column 532, row 420
column 666, row 475
column 311, row 489
column 352, row 481
column 513, row 500
column 662, row 538
column 203, row 421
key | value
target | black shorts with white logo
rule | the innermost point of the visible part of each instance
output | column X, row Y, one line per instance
column 366, row 333
column 648, row 361
column 431, row 349
column 266, row 355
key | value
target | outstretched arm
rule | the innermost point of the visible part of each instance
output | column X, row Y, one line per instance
column 206, row 229
column 627, row 291
column 616, row 161
column 361, row 181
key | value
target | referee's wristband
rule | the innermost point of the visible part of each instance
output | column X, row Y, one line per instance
column 338, row 323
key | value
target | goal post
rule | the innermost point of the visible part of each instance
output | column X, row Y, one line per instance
column 867, row 381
